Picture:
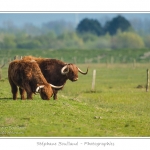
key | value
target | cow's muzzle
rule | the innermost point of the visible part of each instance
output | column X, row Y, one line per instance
column 75, row 79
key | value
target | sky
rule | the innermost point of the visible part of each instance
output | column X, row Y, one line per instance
column 19, row 19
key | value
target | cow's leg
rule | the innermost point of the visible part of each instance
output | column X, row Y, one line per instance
column 14, row 92
column 22, row 93
column 29, row 91
column 14, row 89
column 29, row 95
column 55, row 94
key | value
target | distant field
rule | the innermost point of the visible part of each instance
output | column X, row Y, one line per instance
column 84, row 56
column 119, row 106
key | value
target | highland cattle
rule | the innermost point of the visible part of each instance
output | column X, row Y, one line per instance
column 28, row 77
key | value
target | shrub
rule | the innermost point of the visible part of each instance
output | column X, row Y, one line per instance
column 127, row 40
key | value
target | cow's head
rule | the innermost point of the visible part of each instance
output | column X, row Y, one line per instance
column 46, row 91
column 71, row 71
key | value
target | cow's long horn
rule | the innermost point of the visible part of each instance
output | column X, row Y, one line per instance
column 56, row 87
column 82, row 71
column 63, row 70
column 39, row 87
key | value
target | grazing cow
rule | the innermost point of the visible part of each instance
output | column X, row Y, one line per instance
column 56, row 71
column 28, row 76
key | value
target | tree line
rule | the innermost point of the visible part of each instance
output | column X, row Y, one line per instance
column 95, row 27
column 117, row 33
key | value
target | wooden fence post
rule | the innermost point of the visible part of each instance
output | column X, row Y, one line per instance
column 75, row 60
column 147, row 85
column 1, row 70
column 93, row 81
column 134, row 63
column 15, row 57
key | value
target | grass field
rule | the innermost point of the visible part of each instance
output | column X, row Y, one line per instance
column 83, row 56
column 117, row 108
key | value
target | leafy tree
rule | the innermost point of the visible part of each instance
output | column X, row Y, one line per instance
column 116, row 23
column 9, row 27
column 70, row 40
column 90, row 25
column 31, row 29
column 87, row 37
column 57, row 26
column 147, row 41
column 127, row 40
column 102, row 42
column 8, row 41
column 28, row 42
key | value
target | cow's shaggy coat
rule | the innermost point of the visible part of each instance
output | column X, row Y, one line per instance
column 56, row 72
column 28, row 77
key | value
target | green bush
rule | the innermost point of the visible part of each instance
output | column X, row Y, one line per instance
column 127, row 40
column 30, row 44
column 147, row 41
column 8, row 41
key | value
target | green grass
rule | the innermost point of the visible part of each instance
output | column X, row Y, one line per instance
column 82, row 56
column 117, row 108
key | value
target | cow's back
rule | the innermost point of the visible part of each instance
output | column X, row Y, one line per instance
column 51, row 69
column 14, row 72
column 21, row 71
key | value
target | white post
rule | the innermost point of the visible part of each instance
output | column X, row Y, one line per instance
column 75, row 60
column 93, row 81
column 134, row 63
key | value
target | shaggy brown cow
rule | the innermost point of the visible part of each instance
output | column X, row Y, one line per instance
column 56, row 71
column 28, row 76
